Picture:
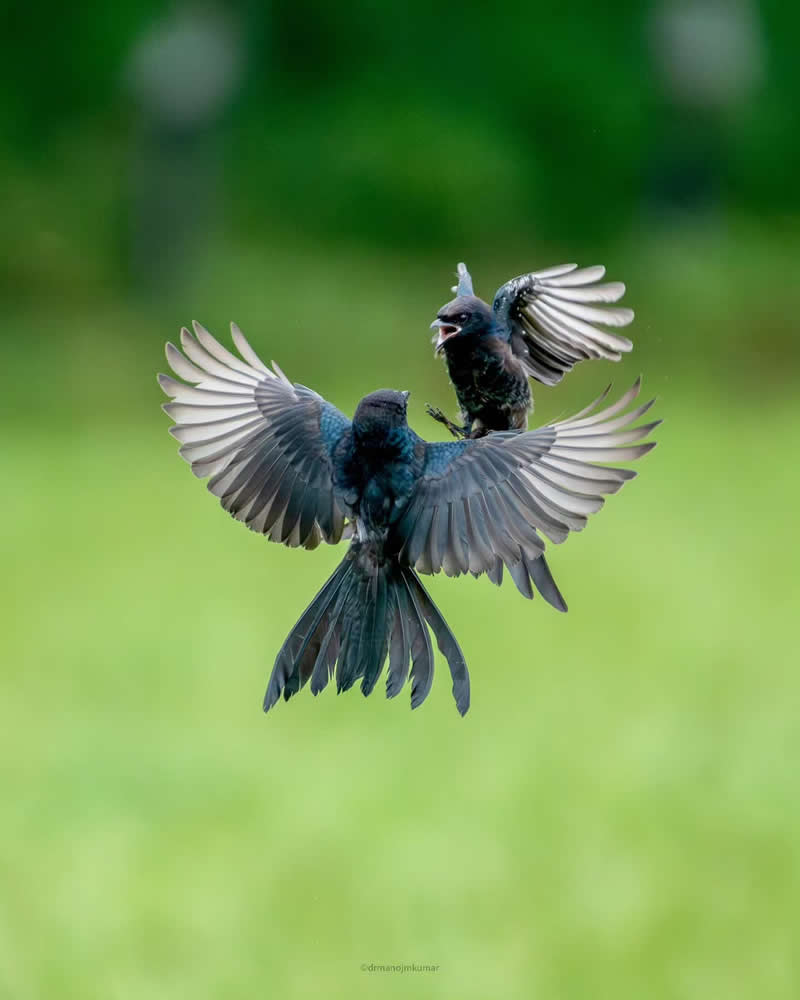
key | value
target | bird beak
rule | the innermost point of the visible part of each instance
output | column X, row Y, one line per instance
column 446, row 331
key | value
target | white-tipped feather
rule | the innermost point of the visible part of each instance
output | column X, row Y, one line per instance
column 560, row 522
column 556, row 272
column 191, row 395
column 213, row 346
column 279, row 373
column 203, row 381
column 548, row 327
column 183, row 368
column 225, row 421
column 574, row 327
column 610, row 411
column 190, row 433
column 203, row 359
column 495, row 500
column 515, row 487
column 610, row 292
column 217, row 447
column 554, row 318
column 223, row 478
column 596, row 472
column 602, row 439
column 576, row 483
column 573, row 429
column 246, row 351
column 213, row 467
column 546, row 330
column 575, row 275
column 609, row 316
column 573, row 502
column 192, row 413
column 594, row 454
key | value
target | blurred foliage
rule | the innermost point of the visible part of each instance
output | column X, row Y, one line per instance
column 412, row 124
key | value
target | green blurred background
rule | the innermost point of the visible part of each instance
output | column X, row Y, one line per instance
column 618, row 814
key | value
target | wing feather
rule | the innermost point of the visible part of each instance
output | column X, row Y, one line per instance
column 552, row 319
column 259, row 438
column 485, row 503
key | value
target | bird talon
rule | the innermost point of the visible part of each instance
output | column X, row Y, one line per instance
column 436, row 413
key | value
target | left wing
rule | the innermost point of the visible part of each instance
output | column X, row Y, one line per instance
column 551, row 317
column 266, row 444
column 480, row 500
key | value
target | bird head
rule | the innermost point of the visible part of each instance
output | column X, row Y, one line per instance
column 466, row 316
column 384, row 410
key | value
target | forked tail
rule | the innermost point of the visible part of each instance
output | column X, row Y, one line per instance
column 369, row 608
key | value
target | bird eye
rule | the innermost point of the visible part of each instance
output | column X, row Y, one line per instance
column 463, row 318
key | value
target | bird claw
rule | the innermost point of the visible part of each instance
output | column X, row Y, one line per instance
column 436, row 413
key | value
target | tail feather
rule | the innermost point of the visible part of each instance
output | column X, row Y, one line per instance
column 399, row 653
column 378, row 644
column 367, row 632
column 421, row 648
column 347, row 666
column 331, row 643
column 448, row 645
column 293, row 655
column 368, row 609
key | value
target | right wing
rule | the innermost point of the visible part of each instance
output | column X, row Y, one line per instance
column 550, row 319
column 478, row 500
column 266, row 444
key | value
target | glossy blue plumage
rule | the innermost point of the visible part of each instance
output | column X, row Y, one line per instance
column 332, row 424
column 538, row 326
column 290, row 466
column 439, row 456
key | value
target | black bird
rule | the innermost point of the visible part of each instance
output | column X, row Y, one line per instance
column 292, row 467
column 539, row 326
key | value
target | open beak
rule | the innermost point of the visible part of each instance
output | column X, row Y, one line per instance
column 446, row 331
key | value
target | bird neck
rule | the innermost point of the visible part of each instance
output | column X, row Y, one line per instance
column 376, row 438
column 467, row 344
column 481, row 328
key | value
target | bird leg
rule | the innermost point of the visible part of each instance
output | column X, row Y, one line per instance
column 456, row 430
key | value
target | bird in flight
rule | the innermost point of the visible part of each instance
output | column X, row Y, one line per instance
column 294, row 468
column 539, row 326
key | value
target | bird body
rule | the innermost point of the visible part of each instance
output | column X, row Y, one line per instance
column 491, row 385
column 375, row 463
column 538, row 326
column 292, row 467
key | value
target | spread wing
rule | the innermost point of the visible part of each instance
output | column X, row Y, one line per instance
column 478, row 500
column 551, row 318
column 265, row 443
